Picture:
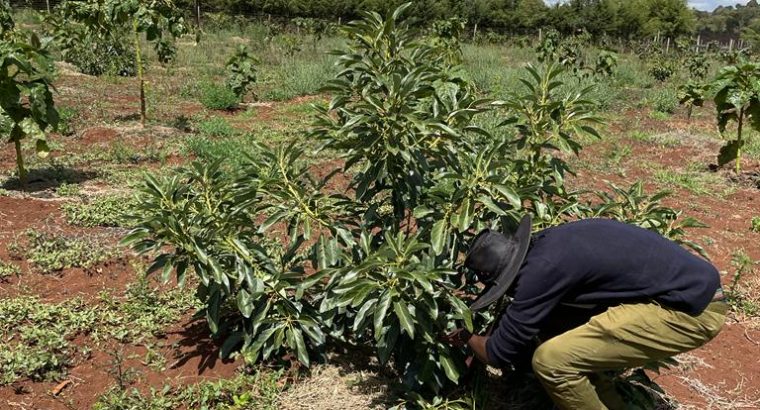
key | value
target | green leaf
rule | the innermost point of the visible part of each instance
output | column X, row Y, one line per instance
column 43, row 150
column 438, row 236
column 448, row 366
column 303, row 354
column 231, row 343
column 404, row 317
column 380, row 312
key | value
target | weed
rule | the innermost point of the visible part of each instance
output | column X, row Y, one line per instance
column 8, row 269
column 216, row 127
column 106, row 210
column 40, row 354
column 755, row 224
column 665, row 101
column 66, row 116
column 122, row 153
column 217, row 97
column 35, row 337
column 66, row 189
column 618, row 154
column 49, row 252
column 743, row 298
column 257, row 391
column 119, row 370
column 182, row 123
column 142, row 312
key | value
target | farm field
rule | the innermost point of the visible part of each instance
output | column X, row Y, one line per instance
column 83, row 326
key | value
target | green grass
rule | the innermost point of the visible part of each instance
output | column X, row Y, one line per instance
column 693, row 179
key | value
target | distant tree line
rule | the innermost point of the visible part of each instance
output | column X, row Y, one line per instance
column 626, row 18
column 615, row 18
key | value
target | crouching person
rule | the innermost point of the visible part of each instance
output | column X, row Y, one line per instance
column 646, row 299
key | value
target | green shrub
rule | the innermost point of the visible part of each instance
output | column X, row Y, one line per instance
column 662, row 70
column 97, row 55
column 755, row 224
column 217, row 97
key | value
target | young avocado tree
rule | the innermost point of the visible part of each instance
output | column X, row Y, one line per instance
column 241, row 72
column 159, row 20
column 692, row 94
column 26, row 100
column 380, row 253
column 737, row 99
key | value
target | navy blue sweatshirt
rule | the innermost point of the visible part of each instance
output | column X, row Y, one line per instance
column 601, row 262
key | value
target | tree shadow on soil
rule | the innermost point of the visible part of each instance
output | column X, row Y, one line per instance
column 195, row 342
column 43, row 179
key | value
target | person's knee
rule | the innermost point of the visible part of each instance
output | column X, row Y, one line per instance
column 547, row 360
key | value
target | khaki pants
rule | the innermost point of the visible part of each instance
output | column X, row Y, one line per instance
column 624, row 336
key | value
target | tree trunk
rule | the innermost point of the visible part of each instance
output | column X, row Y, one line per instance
column 197, row 21
column 739, row 141
column 138, row 61
column 20, row 163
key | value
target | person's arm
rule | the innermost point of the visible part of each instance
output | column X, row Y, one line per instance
column 540, row 288
column 478, row 345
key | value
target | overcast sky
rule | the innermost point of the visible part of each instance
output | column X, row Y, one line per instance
column 707, row 5
column 710, row 5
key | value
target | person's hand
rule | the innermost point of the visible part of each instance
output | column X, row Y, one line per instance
column 457, row 338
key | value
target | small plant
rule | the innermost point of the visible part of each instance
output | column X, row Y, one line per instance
column 739, row 297
column 8, row 269
column 26, row 106
column 216, row 97
column 49, row 253
column 606, row 63
column 291, row 44
column 41, row 354
column 698, row 66
column 662, row 70
column 755, row 224
column 68, row 190
column 737, row 99
column 692, row 95
column 241, row 72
